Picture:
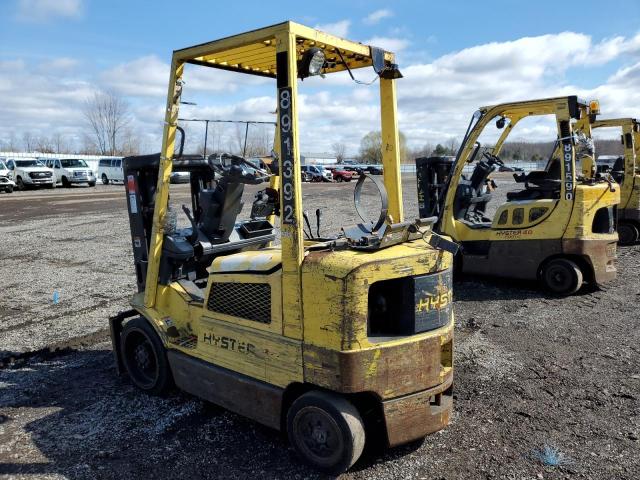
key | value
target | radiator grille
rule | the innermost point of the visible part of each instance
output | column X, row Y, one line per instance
column 251, row 301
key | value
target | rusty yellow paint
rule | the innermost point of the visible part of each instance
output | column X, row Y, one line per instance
column 319, row 299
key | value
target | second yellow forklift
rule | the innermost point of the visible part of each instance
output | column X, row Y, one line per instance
column 626, row 171
column 558, row 227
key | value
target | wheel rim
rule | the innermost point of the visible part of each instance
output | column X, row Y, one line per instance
column 141, row 359
column 318, row 436
column 626, row 234
column 559, row 278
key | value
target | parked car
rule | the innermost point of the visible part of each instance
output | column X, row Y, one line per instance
column 318, row 173
column 180, row 177
column 312, row 172
column 6, row 184
column 373, row 169
column 68, row 171
column 110, row 170
column 341, row 175
column 351, row 166
column 30, row 172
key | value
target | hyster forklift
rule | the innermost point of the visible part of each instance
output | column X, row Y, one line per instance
column 559, row 227
column 626, row 171
column 330, row 339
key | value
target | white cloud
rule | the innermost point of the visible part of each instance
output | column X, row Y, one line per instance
column 435, row 98
column 45, row 10
column 148, row 77
column 375, row 17
column 388, row 43
column 339, row 29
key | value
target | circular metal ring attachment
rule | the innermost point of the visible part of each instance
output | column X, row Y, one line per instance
column 383, row 199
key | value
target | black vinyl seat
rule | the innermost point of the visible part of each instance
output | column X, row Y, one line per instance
column 539, row 184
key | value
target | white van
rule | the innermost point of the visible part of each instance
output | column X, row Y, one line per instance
column 70, row 170
column 110, row 170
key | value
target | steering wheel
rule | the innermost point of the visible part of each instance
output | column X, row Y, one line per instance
column 493, row 159
column 230, row 168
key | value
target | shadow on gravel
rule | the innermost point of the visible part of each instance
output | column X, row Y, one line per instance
column 480, row 288
column 69, row 414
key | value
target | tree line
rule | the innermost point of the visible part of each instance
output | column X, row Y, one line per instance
column 371, row 149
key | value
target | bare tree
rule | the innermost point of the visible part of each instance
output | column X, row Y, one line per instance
column 59, row 143
column 11, row 144
column 339, row 150
column 107, row 116
column 28, row 142
column 43, row 144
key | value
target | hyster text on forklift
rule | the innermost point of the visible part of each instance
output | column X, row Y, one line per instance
column 626, row 171
column 558, row 228
column 331, row 339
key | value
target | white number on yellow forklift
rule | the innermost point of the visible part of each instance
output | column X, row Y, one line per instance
column 287, row 154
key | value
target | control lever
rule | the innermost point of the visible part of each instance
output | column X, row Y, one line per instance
column 318, row 217
column 306, row 220
column 194, row 229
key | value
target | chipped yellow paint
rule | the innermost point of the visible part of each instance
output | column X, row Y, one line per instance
column 373, row 366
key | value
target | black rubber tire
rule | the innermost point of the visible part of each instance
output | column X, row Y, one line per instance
column 92, row 184
column 20, row 184
column 334, row 419
column 561, row 276
column 628, row 233
column 9, row 189
column 65, row 182
column 339, row 179
column 145, row 358
column 105, row 179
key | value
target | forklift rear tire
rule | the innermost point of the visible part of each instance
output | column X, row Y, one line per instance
column 326, row 430
column 144, row 357
column 562, row 276
column 627, row 234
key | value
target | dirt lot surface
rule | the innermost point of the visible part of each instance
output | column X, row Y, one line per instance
column 544, row 387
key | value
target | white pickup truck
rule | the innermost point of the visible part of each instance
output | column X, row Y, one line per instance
column 30, row 172
column 68, row 171
column 6, row 184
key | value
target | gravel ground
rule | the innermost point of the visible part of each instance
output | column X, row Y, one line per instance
column 545, row 387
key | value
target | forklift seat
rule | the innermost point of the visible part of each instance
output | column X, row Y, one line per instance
column 539, row 184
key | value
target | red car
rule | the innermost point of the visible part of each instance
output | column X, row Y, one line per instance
column 340, row 175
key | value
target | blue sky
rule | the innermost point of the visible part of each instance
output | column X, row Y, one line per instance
column 455, row 56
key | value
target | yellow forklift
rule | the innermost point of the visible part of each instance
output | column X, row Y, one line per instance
column 332, row 339
column 559, row 227
column 626, row 171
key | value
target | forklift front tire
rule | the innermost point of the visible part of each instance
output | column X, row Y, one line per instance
column 627, row 234
column 144, row 357
column 562, row 276
column 326, row 430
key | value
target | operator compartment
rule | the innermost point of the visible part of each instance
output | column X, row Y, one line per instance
column 216, row 188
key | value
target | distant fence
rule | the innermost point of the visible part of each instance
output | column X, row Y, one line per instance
column 526, row 166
